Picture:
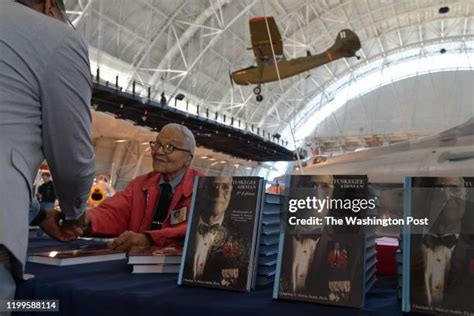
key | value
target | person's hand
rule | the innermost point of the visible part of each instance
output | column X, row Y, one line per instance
column 74, row 227
column 129, row 239
column 51, row 226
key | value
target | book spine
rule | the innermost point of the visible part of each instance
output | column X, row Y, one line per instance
column 251, row 282
column 406, row 247
column 364, row 275
column 188, row 230
column 276, row 282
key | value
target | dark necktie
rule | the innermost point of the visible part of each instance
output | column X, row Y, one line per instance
column 162, row 206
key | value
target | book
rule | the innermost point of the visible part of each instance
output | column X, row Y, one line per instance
column 221, row 241
column 155, row 268
column 267, row 260
column 269, row 239
column 323, row 263
column 155, row 255
column 271, row 229
column 84, row 254
column 438, row 254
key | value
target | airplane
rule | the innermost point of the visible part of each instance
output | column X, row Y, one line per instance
column 449, row 153
column 272, row 65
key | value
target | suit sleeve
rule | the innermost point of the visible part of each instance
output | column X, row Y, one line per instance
column 167, row 236
column 111, row 218
column 66, row 132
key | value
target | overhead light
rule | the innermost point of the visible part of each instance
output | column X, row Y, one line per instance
column 249, row 168
column 146, row 143
column 121, row 141
column 212, row 159
column 237, row 165
column 203, row 157
column 223, row 161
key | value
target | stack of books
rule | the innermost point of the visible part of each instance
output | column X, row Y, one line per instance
column 155, row 259
column 269, row 239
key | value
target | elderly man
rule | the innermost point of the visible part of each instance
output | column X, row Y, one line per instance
column 447, row 206
column 211, row 223
column 154, row 208
column 45, row 92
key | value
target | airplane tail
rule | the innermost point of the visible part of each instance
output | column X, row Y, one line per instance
column 347, row 44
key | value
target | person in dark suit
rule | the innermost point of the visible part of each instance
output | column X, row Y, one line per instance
column 305, row 239
column 217, row 242
column 443, row 253
column 321, row 258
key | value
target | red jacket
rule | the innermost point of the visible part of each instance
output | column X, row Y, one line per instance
column 133, row 209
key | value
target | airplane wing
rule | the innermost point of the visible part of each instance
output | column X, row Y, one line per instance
column 264, row 33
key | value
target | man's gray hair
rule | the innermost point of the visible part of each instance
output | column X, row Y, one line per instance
column 189, row 140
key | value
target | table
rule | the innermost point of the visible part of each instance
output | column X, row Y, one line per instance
column 109, row 288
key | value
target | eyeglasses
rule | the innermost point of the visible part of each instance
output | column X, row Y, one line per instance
column 167, row 148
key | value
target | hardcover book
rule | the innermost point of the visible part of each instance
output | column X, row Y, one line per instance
column 222, row 236
column 155, row 268
column 155, row 255
column 85, row 254
column 438, row 258
column 324, row 263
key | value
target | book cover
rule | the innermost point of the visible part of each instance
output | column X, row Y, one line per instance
column 220, row 245
column 323, row 263
column 438, row 271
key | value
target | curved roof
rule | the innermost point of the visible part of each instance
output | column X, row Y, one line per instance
column 189, row 47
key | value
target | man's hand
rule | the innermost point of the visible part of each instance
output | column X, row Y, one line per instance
column 128, row 240
column 74, row 227
column 50, row 225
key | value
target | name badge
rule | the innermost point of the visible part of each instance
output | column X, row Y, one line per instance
column 178, row 216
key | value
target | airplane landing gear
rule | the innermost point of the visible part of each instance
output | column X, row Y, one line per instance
column 257, row 90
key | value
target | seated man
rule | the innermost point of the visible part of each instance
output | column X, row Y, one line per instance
column 154, row 208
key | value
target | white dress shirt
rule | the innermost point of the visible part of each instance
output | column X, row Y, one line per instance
column 303, row 257
column 437, row 266
column 204, row 244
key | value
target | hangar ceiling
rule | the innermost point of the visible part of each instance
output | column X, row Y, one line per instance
column 189, row 47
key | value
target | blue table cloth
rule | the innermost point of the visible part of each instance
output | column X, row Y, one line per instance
column 109, row 288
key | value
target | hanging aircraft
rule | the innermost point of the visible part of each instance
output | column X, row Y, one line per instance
column 272, row 65
column 449, row 153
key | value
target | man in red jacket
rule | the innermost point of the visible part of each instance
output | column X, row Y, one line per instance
column 154, row 208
